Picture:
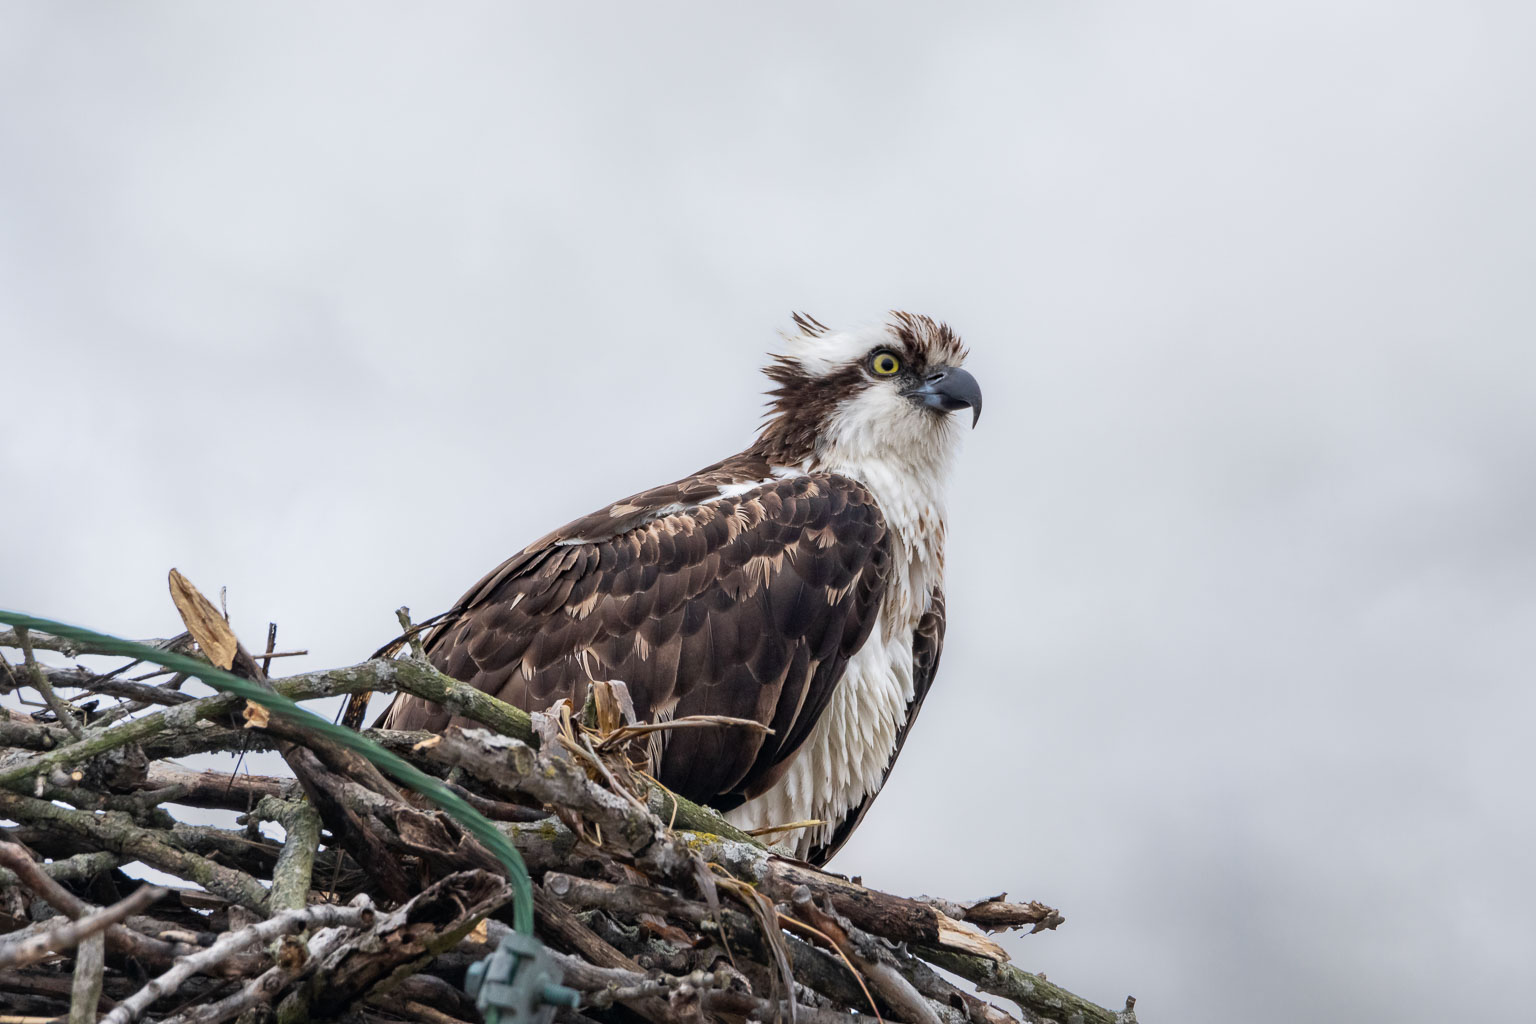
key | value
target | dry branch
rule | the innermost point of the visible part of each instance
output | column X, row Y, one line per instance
column 320, row 914
column 373, row 905
column 65, row 936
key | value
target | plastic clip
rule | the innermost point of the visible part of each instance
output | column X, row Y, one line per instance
column 519, row 983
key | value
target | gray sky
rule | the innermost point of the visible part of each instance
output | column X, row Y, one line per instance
column 337, row 306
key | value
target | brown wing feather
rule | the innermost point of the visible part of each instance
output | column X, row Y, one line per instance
column 927, row 644
column 747, row 606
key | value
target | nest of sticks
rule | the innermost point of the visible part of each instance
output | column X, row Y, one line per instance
column 370, row 904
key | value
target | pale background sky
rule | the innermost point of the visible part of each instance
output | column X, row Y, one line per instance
column 338, row 305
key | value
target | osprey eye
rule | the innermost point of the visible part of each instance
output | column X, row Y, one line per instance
column 884, row 364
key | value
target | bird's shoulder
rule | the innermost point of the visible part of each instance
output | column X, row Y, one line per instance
column 740, row 500
column 738, row 475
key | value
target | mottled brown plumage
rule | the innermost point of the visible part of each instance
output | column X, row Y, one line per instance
column 748, row 606
column 742, row 590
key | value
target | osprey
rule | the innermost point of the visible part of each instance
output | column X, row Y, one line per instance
column 799, row 583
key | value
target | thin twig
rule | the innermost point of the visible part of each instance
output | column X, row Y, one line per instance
column 408, row 633
column 143, row 693
column 39, row 682
column 68, row 648
column 625, row 733
column 266, row 660
column 770, row 830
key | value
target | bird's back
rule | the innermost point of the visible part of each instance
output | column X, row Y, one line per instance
column 742, row 591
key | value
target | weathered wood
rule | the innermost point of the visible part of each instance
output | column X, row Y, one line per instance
column 45, row 883
column 631, row 876
column 85, row 986
column 386, row 676
column 812, row 967
column 117, row 832
column 296, row 864
column 318, row 915
column 240, row 792
column 894, row 917
column 398, row 944
column 559, row 926
column 1032, row 993
column 327, row 791
column 873, row 962
column 698, row 989
column 65, row 934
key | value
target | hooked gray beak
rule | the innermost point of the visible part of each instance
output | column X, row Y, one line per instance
column 949, row 388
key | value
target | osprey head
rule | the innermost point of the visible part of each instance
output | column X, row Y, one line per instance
column 875, row 392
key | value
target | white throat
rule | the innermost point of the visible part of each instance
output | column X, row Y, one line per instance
column 903, row 454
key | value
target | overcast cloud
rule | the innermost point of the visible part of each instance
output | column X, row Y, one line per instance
column 338, row 305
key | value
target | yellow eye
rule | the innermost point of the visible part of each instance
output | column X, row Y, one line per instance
column 884, row 363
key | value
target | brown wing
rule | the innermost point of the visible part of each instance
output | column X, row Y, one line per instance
column 927, row 644
column 747, row 606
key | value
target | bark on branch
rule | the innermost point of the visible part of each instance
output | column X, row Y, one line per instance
column 373, row 902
